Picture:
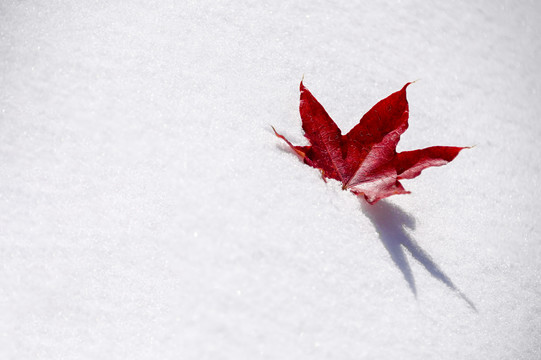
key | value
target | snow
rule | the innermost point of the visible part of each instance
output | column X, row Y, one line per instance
column 147, row 211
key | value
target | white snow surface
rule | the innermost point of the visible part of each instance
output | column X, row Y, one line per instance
column 147, row 211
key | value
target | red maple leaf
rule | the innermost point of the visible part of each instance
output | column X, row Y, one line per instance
column 365, row 159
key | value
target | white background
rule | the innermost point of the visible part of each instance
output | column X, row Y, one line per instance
column 148, row 212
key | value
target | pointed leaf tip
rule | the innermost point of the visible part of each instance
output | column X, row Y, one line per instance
column 407, row 84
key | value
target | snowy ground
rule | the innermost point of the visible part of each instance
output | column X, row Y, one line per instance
column 148, row 212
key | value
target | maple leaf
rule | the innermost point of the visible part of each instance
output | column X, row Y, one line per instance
column 365, row 160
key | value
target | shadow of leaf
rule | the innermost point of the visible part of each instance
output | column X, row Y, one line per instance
column 390, row 222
